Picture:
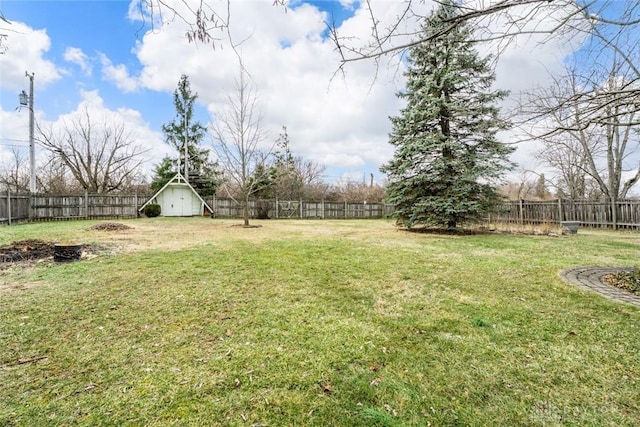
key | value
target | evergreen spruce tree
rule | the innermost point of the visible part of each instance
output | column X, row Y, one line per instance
column 203, row 174
column 447, row 156
column 163, row 173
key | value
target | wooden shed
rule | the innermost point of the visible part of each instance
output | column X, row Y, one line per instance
column 179, row 198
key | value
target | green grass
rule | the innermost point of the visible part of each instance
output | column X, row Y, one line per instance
column 344, row 323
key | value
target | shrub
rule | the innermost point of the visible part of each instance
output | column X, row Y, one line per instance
column 152, row 210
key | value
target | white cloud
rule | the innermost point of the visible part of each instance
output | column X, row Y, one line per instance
column 349, row 4
column 117, row 74
column 14, row 126
column 340, row 123
column 77, row 56
column 26, row 49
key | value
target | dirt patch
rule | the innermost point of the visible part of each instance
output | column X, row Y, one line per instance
column 110, row 226
column 36, row 250
column 25, row 250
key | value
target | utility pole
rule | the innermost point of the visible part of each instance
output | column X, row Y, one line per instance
column 28, row 100
column 186, row 146
column 32, row 148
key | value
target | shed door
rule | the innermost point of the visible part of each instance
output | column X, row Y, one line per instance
column 178, row 201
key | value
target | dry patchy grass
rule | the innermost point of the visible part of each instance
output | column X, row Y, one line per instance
column 352, row 323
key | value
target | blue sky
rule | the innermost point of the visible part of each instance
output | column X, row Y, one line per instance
column 92, row 52
column 94, row 27
column 97, row 55
column 102, row 27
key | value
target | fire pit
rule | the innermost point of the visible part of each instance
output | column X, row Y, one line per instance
column 66, row 252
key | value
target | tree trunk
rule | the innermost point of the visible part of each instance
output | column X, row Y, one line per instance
column 245, row 211
column 613, row 201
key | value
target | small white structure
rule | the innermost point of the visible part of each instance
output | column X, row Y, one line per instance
column 178, row 198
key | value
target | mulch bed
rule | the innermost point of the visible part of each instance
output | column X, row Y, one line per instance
column 110, row 226
column 627, row 280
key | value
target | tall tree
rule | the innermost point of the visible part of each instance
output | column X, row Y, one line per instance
column 540, row 191
column 594, row 137
column 102, row 157
column 186, row 135
column 237, row 136
column 54, row 177
column 293, row 174
column 163, row 173
column 446, row 154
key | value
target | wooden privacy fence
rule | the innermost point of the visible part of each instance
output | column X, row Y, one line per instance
column 280, row 209
column 587, row 213
column 42, row 207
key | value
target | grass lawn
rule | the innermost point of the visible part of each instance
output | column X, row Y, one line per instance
column 190, row 322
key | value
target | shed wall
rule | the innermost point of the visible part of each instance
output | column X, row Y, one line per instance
column 179, row 200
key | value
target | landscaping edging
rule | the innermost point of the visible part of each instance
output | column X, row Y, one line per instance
column 590, row 278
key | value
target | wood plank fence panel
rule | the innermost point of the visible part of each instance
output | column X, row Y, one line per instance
column 588, row 213
column 14, row 208
column 43, row 207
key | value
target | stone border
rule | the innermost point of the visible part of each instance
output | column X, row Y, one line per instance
column 590, row 278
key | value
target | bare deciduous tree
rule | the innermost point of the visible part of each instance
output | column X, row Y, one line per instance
column 492, row 20
column 14, row 175
column 53, row 177
column 356, row 192
column 237, row 135
column 3, row 33
column 207, row 21
column 102, row 157
column 594, row 136
column 564, row 155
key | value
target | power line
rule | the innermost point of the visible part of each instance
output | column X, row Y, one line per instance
column 14, row 140
column 14, row 146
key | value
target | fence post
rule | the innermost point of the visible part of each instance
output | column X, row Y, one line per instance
column 521, row 206
column 323, row 215
column 346, row 209
column 301, row 209
column 29, row 209
column 560, row 219
column 86, row 205
column 9, row 206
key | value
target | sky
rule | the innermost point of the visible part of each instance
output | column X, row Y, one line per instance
column 99, row 55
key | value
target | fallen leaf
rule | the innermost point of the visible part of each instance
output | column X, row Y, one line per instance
column 326, row 387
